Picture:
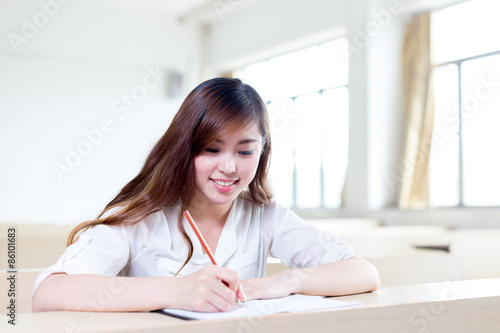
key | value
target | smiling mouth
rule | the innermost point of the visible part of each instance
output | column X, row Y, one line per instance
column 224, row 183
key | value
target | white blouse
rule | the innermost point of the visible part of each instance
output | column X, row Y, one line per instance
column 155, row 247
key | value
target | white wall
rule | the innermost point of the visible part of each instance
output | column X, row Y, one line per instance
column 65, row 81
column 271, row 28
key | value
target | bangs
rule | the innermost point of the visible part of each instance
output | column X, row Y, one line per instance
column 227, row 114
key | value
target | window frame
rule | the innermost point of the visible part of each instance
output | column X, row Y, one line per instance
column 322, row 208
column 459, row 63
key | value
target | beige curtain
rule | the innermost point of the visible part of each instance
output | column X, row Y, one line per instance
column 419, row 106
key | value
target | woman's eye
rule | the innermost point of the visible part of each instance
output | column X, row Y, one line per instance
column 211, row 150
column 246, row 152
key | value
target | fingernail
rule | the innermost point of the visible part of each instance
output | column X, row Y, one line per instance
column 243, row 293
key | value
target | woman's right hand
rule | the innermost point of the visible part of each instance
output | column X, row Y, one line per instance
column 210, row 289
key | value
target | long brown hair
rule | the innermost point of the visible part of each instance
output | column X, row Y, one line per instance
column 215, row 108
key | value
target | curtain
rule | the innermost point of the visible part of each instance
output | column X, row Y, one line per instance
column 419, row 106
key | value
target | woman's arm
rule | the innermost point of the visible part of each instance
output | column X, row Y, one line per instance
column 345, row 277
column 200, row 291
column 90, row 292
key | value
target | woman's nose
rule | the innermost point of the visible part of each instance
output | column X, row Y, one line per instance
column 227, row 164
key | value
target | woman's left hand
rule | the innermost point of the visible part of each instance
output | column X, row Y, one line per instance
column 266, row 287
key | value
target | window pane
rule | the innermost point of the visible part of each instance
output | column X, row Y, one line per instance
column 333, row 64
column 295, row 73
column 465, row 30
column 308, row 150
column 254, row 75
column 301, row 72
column 335, row 123
column 444, row 160
column 481, row 120
column 281, row 119
column 308, row 122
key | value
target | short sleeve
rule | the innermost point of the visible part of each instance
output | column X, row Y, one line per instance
column 102, row 250
column 298, row 244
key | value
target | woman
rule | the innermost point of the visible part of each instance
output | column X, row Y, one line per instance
column 138, row 255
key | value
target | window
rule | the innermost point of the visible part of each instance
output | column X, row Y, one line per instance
column 307, row 96
column 464, row 159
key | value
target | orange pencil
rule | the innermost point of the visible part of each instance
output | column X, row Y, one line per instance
column 205, row 245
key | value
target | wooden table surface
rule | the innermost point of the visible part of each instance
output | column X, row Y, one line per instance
column 454, row 306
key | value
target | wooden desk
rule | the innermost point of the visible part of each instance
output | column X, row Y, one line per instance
column 461, row 306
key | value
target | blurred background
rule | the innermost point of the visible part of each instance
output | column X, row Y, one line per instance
column 87, row 88
column 383, row 112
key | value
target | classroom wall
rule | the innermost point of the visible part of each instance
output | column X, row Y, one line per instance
column 84, row 93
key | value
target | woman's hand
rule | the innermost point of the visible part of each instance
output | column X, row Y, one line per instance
column 210, row 289
column 266, row 287
column 344, row 277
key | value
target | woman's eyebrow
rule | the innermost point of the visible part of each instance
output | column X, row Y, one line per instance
column 242, row 142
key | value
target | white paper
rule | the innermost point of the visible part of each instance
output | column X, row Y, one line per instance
column 264, row 307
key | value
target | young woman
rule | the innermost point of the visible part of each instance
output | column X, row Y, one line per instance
column 140, row 253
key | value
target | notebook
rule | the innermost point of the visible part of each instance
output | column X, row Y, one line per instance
column 264, row 307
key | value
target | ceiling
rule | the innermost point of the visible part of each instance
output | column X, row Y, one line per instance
column 197, row 11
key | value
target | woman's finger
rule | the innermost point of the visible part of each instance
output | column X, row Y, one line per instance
column 230, row 277
column 240, row 293
column 225, row 293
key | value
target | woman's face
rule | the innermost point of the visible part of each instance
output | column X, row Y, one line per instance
column 227, row 166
